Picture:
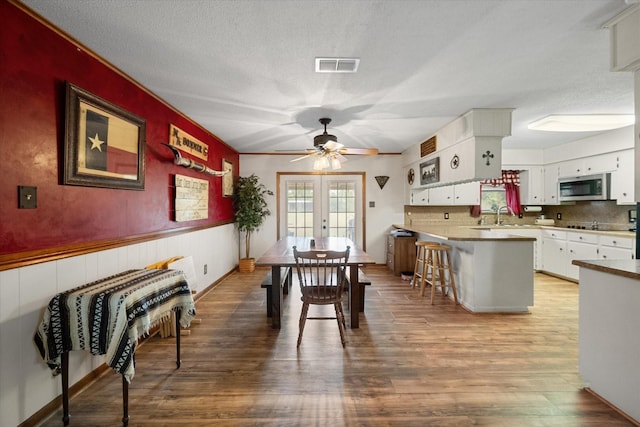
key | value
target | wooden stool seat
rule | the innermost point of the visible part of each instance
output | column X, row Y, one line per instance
column 433, row 266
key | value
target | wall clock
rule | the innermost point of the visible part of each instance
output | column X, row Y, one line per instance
column 411, row 176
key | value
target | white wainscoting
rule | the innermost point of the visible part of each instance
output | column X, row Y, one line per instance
column 26, row 382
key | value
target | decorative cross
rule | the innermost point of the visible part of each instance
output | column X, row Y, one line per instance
column 488, row 156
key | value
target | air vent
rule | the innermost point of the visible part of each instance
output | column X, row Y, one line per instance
column 337, row 65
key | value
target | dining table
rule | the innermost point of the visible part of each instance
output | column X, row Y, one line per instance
column 281, row 255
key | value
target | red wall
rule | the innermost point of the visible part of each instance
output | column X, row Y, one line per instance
column 35, row 62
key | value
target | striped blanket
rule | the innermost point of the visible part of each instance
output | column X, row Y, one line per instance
column 108, row 316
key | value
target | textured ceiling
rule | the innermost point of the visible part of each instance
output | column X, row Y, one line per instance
column 244, row 69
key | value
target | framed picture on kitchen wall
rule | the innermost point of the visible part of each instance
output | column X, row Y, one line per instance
column 104, row 144
column 430, row 171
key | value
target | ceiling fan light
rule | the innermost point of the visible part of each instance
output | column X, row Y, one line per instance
column 320, row 163
column 335, row 163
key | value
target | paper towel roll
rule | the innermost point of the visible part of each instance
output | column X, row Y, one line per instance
column 533, row 208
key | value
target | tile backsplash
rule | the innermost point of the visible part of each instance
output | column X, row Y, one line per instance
column 579, row 214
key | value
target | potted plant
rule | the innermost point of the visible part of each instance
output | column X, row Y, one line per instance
column 250, row 212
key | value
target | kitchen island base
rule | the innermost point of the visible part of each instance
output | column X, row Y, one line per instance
column 493, row 271
column 494, row 276
column 608, row 341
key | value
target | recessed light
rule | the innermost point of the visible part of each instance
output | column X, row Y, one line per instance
column 582, row 122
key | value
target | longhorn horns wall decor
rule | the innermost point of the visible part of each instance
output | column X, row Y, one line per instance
column 190, row 164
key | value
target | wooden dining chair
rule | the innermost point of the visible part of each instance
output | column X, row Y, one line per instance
column 322, row 277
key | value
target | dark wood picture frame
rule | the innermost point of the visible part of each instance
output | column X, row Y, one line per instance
column 104, row 144
column 430, row 171
column 227, row 179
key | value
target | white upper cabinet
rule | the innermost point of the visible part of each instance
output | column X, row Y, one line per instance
column 441, row 196
column 466, row 194
column 588, row 165
column 601, row 163
column 420, row 197
column 623, row 179
column 551, row 185
column 532, row 185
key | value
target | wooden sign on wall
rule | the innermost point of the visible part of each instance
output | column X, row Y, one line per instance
column 192, row 198
column 428, row 147
column 187, row 143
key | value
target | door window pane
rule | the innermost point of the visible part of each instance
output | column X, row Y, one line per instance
column 342, row 214
column 300, row 209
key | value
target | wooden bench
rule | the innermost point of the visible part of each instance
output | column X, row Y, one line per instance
column 363, row 282
column 286, row 277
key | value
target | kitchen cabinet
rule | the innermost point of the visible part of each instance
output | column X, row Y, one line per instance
column 532, row 186
column 615, row 247
column 554, row 252
column 561, row 248
column 582, row 246
column 401, row 253
column 623, row 179
column 420, row 197
column 551, row 185
column 587, row 166
column 466, row 194
column 441, row 196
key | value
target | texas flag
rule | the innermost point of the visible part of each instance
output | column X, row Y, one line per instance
column 111, row 145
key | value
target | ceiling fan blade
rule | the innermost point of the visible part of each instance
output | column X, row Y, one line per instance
column 361, row 151
column 332, row 146
column 304, row 157
column 340, row 157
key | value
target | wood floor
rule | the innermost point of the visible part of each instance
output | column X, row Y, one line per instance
column 409, row 364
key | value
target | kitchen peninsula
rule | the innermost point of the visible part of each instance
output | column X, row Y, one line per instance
column 608, row 340
column 493, row 271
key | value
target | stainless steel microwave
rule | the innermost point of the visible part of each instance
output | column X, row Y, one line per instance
column 589, row 187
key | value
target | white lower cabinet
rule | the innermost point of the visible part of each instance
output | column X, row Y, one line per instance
column 560, row 248
column 554, row 256
column 615, row 247
column 580, row 246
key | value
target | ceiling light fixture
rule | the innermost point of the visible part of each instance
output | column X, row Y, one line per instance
column 582, row 122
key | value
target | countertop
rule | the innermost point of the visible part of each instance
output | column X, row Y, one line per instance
column 622, row 267
column 462, row 233
column 483, row 232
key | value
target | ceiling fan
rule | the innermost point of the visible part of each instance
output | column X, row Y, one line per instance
column 329, row 152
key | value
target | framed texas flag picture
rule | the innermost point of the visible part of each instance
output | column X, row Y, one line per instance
column 104, row 144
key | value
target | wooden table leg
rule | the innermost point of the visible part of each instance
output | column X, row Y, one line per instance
column 354, row 297
column 64, row 366
column 125, row 402
column 178, row 314
column 276, row 300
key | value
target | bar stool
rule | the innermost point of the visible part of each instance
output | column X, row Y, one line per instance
column 420, row 268
column 439, row 265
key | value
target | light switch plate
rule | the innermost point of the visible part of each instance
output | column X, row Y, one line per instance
column 27, row 197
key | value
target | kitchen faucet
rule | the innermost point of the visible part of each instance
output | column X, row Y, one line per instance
column 498, row 221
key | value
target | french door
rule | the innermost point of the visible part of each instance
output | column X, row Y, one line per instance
column 327, row 205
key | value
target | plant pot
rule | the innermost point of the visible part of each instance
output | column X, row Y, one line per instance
column 247, row 265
